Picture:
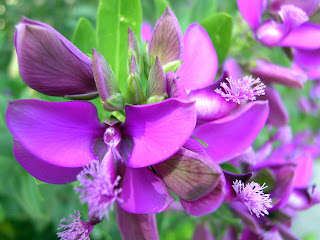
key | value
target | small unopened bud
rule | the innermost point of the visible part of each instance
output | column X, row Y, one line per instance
column 106, row 83
column 133, row 50
column 134, row 92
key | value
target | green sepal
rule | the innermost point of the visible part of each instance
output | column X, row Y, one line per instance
column 172, row 66
column 114, row 103
column 155, row 99
column 134, row 91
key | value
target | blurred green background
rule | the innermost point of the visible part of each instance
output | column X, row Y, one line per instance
column 30, row 209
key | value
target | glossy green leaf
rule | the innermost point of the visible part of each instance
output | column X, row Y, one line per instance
column 114, row 18
column 219, row 28
column 84, row 36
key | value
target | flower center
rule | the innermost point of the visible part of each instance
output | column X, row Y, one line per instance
column 244, row 88
column 253, row 197
column 112, row 136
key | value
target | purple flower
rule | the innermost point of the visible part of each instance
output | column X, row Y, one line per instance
column 50, row 64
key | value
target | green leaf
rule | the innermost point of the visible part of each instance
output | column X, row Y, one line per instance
column 202, row 9
column 219, row 28
column 84, row 36
column 114, row 18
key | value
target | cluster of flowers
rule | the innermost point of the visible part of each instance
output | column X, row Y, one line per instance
column 172, row 135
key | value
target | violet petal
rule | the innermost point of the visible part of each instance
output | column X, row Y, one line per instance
column 49, row 63
column 200, row 62
column 309, row 6
column 202, row 232
column 42, row 170
column 272, row 73
column 136, row 226
column 143, row 192
column 57, row 133
column 227, row 137
column 158, row 130
column 175, row 88
column 252, row 11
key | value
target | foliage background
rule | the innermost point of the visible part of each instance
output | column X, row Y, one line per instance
column 30, row 209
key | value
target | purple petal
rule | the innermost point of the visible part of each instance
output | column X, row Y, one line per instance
column 301, row 199
column 270, row 33
column 202, row 232
column 200, row 62
column 188, row 174
column 307, row 58
column 278, row 115
column 175, row 89
column 136, row 226
column 59, row 134
column 209, row 104
column 248, row 234
column 146, row 30
column 49, row 63
column 166, row 39
column 231, row 135
column 158, row 130
column 208, row 203
column 272, row 73
column 309, row 6
column 42, row 170
column 303, row 171
column 252, row 11
column 292, row 17
column 232, row 68
column 143, row 192
column 305, row 36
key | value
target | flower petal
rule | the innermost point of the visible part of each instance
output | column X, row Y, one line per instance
column 209, row 104
column 309, row 6
column 230, row 195
column 43, row 170
column 158, row 130
column 208, row 203
column 49, row 63
column 146, row 30
column 144, row 192
column 231, row 135
column 272, row 73
column 305, row 36
column 278, row 115
column 233, row 68
column 166, row 39
column 175, row 87
column 202, row 232
column 252, row 11
column 188, row 174
column 136, row 226
column 61, row 134
column 200, row 61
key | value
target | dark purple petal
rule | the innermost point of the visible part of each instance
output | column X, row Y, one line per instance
column 278, row 115
column 304, row 198
column 61, row 134
column 188, row 174
column 210, row 105
column 208, row 203
column 175, row 88
column 49, row 63
column 248, row 234
column 200, row 62
column 43, row 170
column 309, row 6
column 158, row 130
column 136, row 226
column 166, row 39
column 305, row 36
column 272, row 73
column 252, row 11
column 143, row 192
column 202, row 232
column 231, row 135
